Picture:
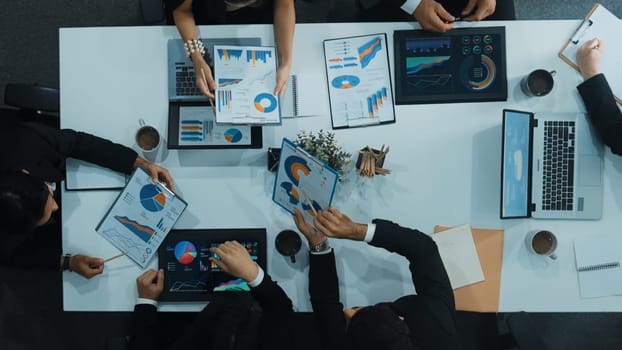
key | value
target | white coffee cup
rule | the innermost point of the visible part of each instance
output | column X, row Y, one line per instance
column 148, row 139
column 542, row 243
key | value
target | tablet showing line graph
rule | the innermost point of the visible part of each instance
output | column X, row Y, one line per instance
column 463, row 65
column 190, row 275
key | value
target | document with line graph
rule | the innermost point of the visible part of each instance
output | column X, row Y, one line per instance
column 245, row 79
column 359, row 81
column 141, row 217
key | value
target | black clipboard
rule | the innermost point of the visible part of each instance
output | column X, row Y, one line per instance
column 346, row 72
column 204, row 133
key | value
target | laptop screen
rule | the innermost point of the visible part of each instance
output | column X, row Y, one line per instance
column 515, row 191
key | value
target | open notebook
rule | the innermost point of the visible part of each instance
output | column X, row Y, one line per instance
column 604, row 25
column 304, row 96
column 598, row 266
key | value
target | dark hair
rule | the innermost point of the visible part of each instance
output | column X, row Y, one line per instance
column 378, row 327
column 22, row 201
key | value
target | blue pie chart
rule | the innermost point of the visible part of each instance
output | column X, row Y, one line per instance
column 233, row 135
column 152, row 198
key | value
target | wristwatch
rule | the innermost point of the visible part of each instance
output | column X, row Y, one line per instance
column 66, row 260
column 320, row 247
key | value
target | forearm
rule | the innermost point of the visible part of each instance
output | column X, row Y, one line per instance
column 284, row 24
column 184, row 21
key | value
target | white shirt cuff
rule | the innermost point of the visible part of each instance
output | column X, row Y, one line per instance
column 257, row 281
column 371, row 231
column 410, row 6
column 146, row 301
column 324, row 252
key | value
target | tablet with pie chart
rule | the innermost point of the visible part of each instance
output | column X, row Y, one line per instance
column 190, row 275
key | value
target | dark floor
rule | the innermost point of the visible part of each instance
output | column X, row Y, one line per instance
column 30, row 301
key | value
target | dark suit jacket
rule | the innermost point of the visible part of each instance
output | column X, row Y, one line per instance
column 214, row 12
column 42, row 151
column 275, row 331
column 430, row 315
column 603, row 110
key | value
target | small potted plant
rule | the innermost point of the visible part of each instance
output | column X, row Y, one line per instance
column 323, row 146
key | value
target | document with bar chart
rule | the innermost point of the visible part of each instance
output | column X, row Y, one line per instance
column 245, row 79
column 359, row 81
column 141, row 217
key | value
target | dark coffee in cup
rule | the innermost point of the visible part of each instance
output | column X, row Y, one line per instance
column 288, row 243
column 538, row 83
column 543, row 242
column 147, row 138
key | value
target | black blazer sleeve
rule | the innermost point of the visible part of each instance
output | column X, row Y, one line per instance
column 603, row 110
column 327, row 309
column 74, row 144
column 144, row 328
column 426, row 266
column 276, row 325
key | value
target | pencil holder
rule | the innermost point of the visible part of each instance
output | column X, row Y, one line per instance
column 371, row 160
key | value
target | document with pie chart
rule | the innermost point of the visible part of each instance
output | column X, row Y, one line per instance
column 303, row 182
column 141, row 217
column 245, row 78
column 359, row 81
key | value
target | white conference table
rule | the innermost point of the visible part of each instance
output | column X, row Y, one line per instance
column 445, row 160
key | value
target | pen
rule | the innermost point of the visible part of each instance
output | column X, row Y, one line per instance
column 456, row 19
column 211, row 101
column 309, row 202
column 114, row 257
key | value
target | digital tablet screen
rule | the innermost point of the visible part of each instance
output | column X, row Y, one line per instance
column 463, row 65
column 189, row 273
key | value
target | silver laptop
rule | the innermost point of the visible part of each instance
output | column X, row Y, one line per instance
column 181, row 77
column 551, row 168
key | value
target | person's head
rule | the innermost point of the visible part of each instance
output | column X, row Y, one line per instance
column 25, row 202
column 377, row 327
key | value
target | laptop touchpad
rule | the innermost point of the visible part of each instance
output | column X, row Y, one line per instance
column 590, row 168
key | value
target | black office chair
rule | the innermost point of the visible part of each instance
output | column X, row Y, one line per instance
column 34, row 103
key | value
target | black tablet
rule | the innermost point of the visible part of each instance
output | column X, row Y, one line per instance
column 462, row 65
column 192, row 125
column 189, row 275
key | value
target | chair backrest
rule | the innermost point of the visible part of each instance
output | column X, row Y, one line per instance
column 32, row 97
column 34, row 103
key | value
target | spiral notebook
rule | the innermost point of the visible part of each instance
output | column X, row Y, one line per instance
column 598, row 267
column 301, row 97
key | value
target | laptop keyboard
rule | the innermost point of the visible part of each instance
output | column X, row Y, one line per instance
column 185, row 81
column 558, row 180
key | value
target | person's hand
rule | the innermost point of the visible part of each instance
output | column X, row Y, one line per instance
column 333, row 223
column 282, row 75
column 205, row 80
column 157, row 172
column 150, row 284
column 314, row 237
column 588, row 58
column 235, row 260
column 85, row 265
column 483, row 9
column 431, row 15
